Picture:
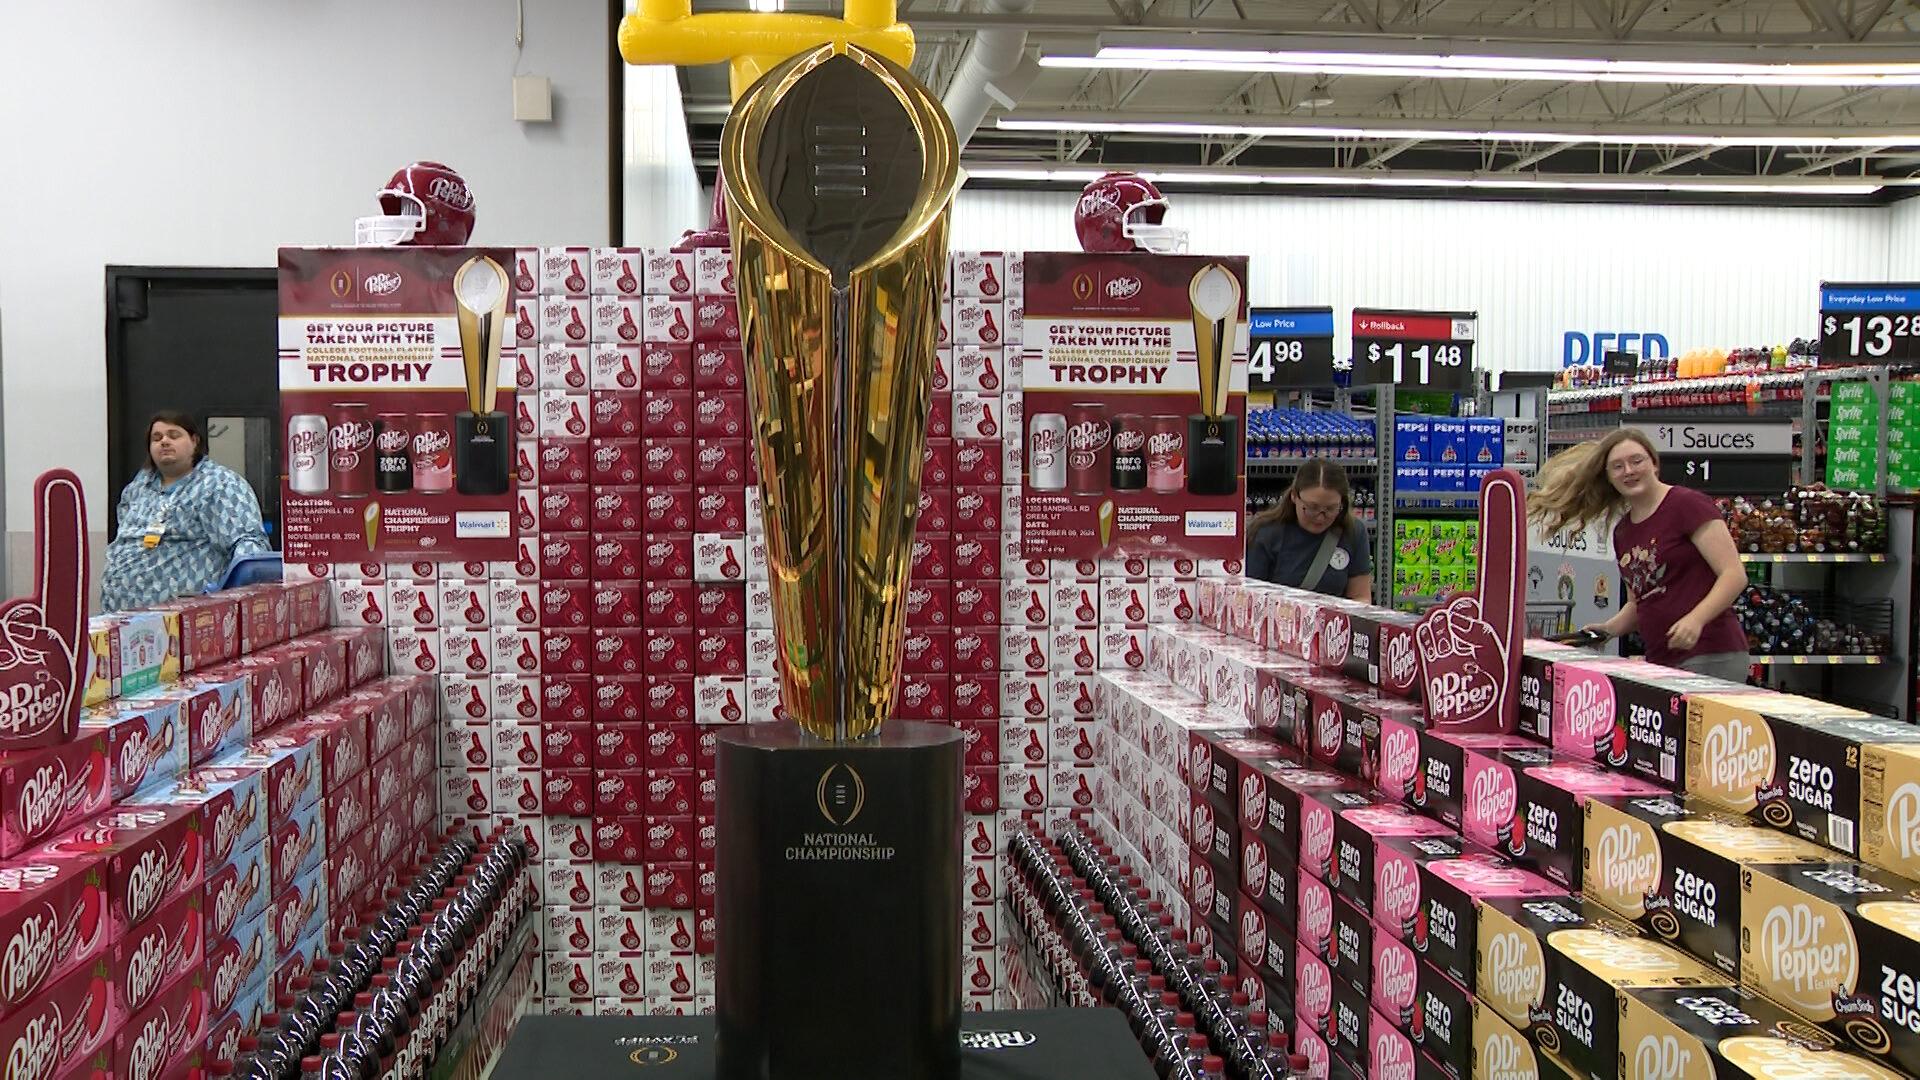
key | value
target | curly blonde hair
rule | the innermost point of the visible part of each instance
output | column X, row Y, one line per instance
column 1574, row 489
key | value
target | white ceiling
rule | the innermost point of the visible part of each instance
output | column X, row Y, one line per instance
column 1627, row 119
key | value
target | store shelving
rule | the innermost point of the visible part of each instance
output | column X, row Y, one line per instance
column 1814, row 557
column 1797, row 660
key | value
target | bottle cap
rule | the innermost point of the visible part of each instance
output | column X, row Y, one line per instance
column 1297, row 1062
column 1196, row 1041
column 1212, row 1064
column 1239, row 1000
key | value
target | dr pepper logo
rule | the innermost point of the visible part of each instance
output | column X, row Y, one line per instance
column 43, row 652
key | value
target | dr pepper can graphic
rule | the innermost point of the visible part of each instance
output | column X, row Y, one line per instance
column 1047, row 452
column 307, row 454
column 433, row 452
column 350, row 445
column 1089, row 447
column 1129, row 449
column 393, row 452
column 1167, row 453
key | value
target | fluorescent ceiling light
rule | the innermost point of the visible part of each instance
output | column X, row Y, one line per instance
column 1079, row 175
column 1465, row 66
column 1108, row 123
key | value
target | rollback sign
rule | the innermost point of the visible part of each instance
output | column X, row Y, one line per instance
column 1135, row 405
column 1469, row 646
column 43, row 653
column 396, row 400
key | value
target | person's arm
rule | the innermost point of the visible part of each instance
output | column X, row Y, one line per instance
column 1259, row 558
column 1360, row 564
column 233, row 519
column 1624, row 622
column 1729, row 581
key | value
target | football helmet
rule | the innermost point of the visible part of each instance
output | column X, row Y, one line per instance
column 1124, row 211
column 425, row 204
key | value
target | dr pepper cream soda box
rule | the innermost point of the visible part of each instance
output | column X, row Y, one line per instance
column 1502, row 1050
column 1673, row 868
column 1730, row 1033
column 1550, row 818
column 1591, row 971
column 1789, row 761
column 1839, row 945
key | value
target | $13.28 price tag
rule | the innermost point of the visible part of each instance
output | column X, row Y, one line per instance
column 1869, row 324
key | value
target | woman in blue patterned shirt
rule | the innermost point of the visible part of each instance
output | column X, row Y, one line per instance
column 183, row 519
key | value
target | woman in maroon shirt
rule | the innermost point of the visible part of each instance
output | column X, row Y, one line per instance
column 1676, row 557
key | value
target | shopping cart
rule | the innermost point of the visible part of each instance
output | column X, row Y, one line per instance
column 1545, row 618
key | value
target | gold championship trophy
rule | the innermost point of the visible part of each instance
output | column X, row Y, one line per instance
column 838, row 886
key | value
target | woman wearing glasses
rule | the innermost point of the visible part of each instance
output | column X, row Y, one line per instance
column 1676, row 557
column 1312, row 540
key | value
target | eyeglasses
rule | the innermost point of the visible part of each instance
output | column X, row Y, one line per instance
column 1628, row 464
column 1318, row 510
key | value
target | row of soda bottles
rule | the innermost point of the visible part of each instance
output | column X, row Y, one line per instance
column 385, row 998
column 1299, row 433
column 1107, row 943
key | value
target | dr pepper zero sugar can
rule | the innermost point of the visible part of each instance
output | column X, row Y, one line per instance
column 393, row 452
column 432, row 452
column 307, row 454
column 350, row 440
column 1047, row 452
column 1089, row 447
column 1167, row 453
column 1129, row 439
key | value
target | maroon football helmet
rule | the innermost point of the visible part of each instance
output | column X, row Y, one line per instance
column 425, row 204
column 1123, row 211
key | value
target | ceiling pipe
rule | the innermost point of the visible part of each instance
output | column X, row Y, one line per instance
column 991, row 71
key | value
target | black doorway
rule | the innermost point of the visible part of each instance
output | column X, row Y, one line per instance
column 204, row 340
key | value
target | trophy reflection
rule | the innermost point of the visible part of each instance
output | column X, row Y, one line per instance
column 1213, row 435
column 839, row 171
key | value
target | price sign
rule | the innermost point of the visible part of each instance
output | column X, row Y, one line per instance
column 1289, row 347
column 1869, row 324
column 1622, row 363
column 1746, row 457
column 1429, row 350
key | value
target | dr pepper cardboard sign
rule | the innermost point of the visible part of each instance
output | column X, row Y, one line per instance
column 1135, row 374
column 43, row 646
column 1469, row 646
column 396, row 385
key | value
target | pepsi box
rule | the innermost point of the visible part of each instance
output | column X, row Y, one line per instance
column 1412, row 477
column 1449, row 478
column 1486, row 441
column 1447, row 441
column 1412, row 439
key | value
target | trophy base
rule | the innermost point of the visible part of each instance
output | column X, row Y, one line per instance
column 482, row 453
column 1213, row 458
column 838, row 905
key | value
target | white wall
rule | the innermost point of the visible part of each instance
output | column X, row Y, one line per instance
column 663, row 196
column 1701, row 276
column 1903, row 241
column 209, row 132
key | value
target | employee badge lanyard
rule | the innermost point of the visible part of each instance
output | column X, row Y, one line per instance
column 158, row 529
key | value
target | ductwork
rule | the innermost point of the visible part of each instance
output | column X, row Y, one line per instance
column 990, row 71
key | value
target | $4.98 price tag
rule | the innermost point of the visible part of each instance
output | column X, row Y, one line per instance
column 1427, row 350
column 1289, row 347
column 1869, row 324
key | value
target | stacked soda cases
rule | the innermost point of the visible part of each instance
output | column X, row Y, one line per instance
column 639, row 508
column 1590, row 896
column 190, row 840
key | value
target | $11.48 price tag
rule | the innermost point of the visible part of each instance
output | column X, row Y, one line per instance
column 1426, row 350
column 1869, row 324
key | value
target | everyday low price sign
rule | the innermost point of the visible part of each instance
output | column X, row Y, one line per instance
column 1289, row 348
column 1869, row 324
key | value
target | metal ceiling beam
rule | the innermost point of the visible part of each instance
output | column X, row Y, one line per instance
column 1681, row 159
column 1837, row 159
column 1826, row 15
column 1539, row 156
column 1053, row 122
column 1389, row 153
column 1432, row 35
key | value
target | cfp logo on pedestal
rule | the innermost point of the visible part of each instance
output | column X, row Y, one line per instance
column 655, row 1049
column 840, row 794
column 996, row 1040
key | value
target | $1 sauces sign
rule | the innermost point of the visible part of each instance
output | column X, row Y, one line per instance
column 43, row 652
column 1469, row 646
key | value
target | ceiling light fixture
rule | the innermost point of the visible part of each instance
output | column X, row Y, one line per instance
column 1148, row 124
column 1075, row 175
column 1317, row 98
column 1471, row 66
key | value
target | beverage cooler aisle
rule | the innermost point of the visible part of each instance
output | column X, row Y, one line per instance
column 1654, row 864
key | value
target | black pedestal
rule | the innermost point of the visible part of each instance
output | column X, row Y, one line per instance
column 1213, row 455
column 838, row 907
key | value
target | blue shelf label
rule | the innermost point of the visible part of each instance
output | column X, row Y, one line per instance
column 1290, row 322
column 1870, row 298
